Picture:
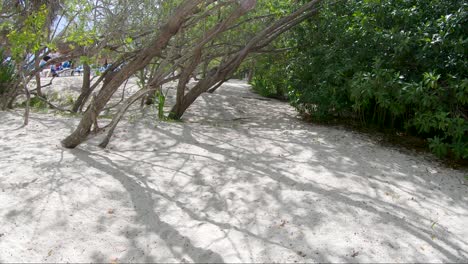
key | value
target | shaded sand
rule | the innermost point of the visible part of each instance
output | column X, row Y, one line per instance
column 240, row 180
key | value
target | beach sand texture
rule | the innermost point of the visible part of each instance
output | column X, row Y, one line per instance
column 240, row 179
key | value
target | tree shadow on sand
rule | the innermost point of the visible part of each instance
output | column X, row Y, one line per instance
column 268, row 189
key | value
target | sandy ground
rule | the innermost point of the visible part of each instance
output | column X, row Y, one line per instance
column 239, row 180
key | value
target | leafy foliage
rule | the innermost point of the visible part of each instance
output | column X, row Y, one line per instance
column 396, row 64
column 7, row 73
column 31, row 36
column 161, row 100
column 269, row 79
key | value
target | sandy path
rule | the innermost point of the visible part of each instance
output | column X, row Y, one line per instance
column 240, row 180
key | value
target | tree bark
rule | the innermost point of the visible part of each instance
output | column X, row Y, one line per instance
column 38, row 75
column 175, row 22
column 228, row 67
column 85, row 88
column 155, row 85
column 214, row 88
column 117, row 117
column 184, row 101
column 28, row 101
column 143, row 58
column 251, row 73
column 38, row 85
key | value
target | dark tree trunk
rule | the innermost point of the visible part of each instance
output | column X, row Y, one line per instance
column 143, row 58
column 183, row 103
column 38, row 85
column 205, row 68
column 227, row 68
column 85, row 89
column 37, row 60
column 251, row 74
column 214, row 88
column 28, row 101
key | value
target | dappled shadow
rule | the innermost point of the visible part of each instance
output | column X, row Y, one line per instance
column 144, row 204
column 343, row 200
column 363, row 177
column 250, row 184
column 329, row 174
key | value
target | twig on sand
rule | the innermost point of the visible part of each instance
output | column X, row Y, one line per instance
column 45, row 85
column 256, row 98
column 241, row 118
column 51, row 105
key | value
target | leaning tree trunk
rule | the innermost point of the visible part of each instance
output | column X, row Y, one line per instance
column 214, row 88
column 118, row 116
column 215, row 76
column 85, row 88
column 155, row 85
column 184, row 102
column 143, row 58
column 28, row 99
column 38, row 85
column 251, row 73
column 38, row 75
column 227, row 68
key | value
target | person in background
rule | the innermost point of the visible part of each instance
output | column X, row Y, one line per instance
column 53, row 70
column 66, row 65
column 44, row 61
column 79, row 70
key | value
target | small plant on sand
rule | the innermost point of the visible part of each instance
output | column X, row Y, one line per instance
column 53, row 96
column 36, row 103
column 161, row 99
column 69, row 99
column 132, row 118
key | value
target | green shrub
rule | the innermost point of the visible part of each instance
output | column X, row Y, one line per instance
column 7, row 73
column 271, row 79
column 395, row 64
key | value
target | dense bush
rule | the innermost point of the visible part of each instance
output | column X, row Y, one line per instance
column 269, row 78
column 6, row 72
column 7, row 76
column 398, row 64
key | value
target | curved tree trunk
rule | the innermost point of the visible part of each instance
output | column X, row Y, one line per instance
column 85, row 88
column 155, row 85
column 251, row 72
column 38, row 85
column 143, row 58
column 183, row 103
column 227, row 68
column 212, row 90
column 175, row 22
column 28, row 101
column 117, row 117
column 38, row 75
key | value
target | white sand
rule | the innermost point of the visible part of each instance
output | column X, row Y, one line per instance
column 240, row 180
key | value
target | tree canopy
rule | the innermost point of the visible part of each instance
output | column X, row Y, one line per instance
column 393, row 64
